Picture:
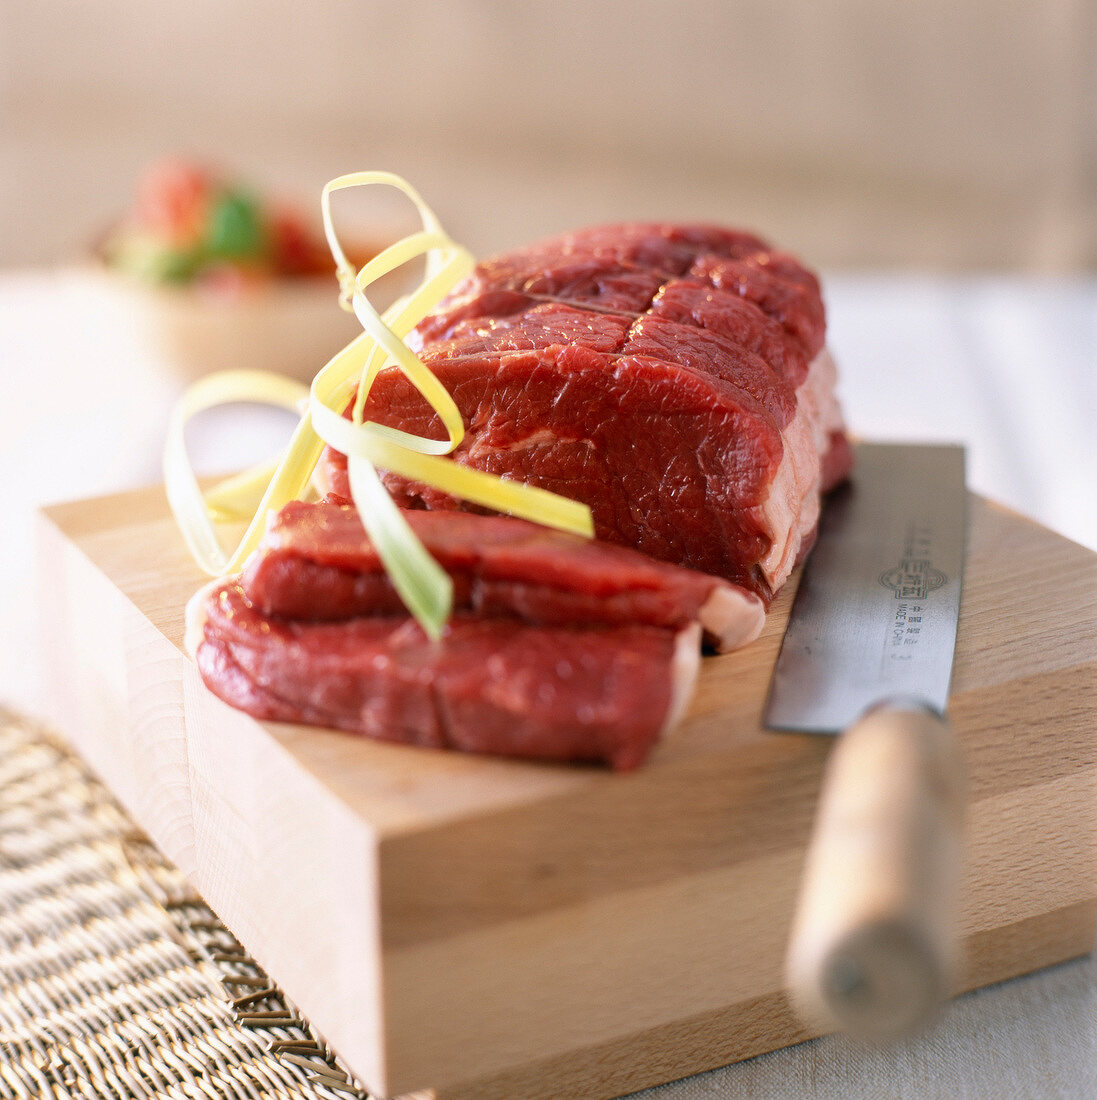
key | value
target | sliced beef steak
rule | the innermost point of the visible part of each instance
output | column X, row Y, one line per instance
column 316, row 563
column 496, row 685
column 672, row 377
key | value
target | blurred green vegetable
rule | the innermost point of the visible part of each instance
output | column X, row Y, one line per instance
column 235, row 230
column 189, row 225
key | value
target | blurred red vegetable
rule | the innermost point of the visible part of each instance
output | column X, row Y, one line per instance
column 172, row 202
column 191, row 224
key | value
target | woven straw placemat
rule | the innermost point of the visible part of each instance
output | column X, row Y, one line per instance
column 116, row 979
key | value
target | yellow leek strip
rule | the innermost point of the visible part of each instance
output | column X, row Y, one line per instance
column 289, row 483
column 370, row 442
column 236, row 498
column 343, row 267
column 192, row 512
column 422, row 584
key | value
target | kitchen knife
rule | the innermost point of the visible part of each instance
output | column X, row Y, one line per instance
column 867, row 654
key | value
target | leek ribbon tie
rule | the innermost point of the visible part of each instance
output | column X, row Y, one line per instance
column 421, row 583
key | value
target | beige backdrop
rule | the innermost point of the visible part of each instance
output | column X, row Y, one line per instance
column 942, row 134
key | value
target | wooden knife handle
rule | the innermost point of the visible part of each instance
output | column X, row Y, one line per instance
column 874, row 944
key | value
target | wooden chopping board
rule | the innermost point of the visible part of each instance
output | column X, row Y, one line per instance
column 488, row 928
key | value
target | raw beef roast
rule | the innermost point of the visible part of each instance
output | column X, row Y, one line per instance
column 673, row 377
column 560, row 648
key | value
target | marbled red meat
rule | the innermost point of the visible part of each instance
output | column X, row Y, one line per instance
column 672, row 377
column 316, row 563
column 489, row 685
column 675, row 379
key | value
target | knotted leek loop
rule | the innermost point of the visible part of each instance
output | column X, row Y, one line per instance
column 422, row 584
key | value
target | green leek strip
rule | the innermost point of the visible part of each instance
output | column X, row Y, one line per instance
column 422, row 584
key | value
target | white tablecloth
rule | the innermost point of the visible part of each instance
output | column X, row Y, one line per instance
column 1007, row 366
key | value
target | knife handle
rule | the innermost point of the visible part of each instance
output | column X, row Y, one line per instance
column 874, row 945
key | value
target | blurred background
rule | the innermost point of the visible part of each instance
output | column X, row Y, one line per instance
column 936, row 162
column 949, row 134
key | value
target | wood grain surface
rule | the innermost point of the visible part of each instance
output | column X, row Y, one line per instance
column 489, row 928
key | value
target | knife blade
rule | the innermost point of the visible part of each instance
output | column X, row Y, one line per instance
column 867, row 655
